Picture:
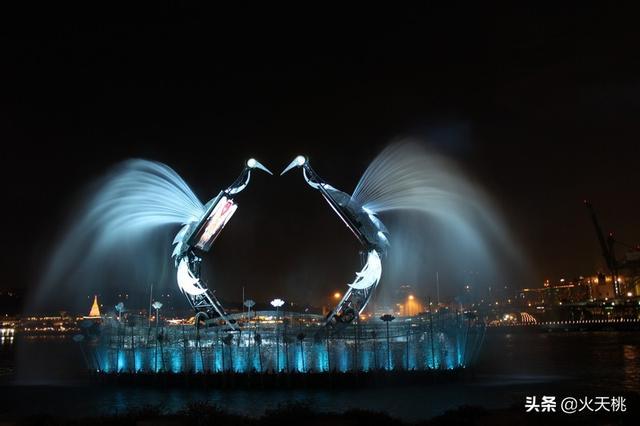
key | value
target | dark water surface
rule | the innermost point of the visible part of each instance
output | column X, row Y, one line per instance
column 511, row 366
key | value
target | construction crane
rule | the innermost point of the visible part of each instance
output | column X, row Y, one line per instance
column 631, row 263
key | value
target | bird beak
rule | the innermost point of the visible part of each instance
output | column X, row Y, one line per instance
column 291, row 165
column 260, row 166
column 299, row 161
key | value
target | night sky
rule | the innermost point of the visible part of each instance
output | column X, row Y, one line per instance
column 541, row 107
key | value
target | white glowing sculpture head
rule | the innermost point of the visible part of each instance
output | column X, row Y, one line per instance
column 252, row 163
column 299, row 161
column 370, row 273
column 276, row 303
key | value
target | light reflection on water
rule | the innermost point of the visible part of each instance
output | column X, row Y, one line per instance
column 631, row 366
column 509, row 368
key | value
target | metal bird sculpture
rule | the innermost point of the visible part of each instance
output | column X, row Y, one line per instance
column 198, row 236
column 366, row 227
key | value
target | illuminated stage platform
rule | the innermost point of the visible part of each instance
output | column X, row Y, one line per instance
column 285, row 342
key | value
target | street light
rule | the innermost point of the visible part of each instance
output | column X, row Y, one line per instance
column 249, row 304
column 119, row 308
column 337, row 295
column 388, row 318
column 276, row 303
column 412, row 307
column 157, row 305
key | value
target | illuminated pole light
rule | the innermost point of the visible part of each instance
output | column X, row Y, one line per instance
column 249, row 304
column 276, row 303
column 119, row 309
column 411, row 306
column 387, row 318
column 157, row 305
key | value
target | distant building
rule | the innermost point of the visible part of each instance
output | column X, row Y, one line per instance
column 562, row 292
column 582, row 289
column 600, row 287
column 411, row 306
column 403, row 292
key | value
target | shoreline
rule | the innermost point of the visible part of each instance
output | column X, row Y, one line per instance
column 568, row 326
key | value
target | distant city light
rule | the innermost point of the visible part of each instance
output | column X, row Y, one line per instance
column 337, row 295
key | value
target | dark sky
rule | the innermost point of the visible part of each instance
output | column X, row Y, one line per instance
column 540, row 106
